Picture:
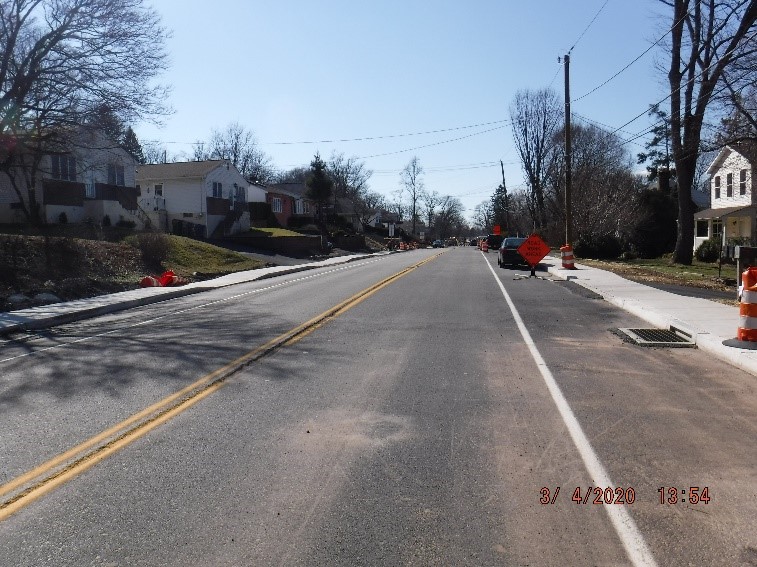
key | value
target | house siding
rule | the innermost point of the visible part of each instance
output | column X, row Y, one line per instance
column 732, row 164
column 191, row 200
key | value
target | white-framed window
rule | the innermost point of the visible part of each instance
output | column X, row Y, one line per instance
column 306, row 207
column 276, row 205
column 89, row 190
column 717, row 187
column 298, row 207
column 239, row 194
column 729, row 185
column 159, row 189
column 217, row 189
column 717, row 228
column 742, row 182
column 64, row 167
column 703, row 228
column 116, row 174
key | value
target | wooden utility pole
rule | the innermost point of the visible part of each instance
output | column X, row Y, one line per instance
column 568, row 158
column 507, row 201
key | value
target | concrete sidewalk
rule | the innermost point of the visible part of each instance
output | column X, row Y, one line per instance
column 53, row 314
column 708, row 322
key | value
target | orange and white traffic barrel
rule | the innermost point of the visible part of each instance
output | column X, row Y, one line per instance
column 747, row 330
column 567, row 257
column 149, row 281
column 484, row 246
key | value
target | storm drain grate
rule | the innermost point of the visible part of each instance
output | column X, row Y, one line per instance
column 673, row 338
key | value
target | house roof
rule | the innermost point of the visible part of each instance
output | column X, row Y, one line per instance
column 746, row 148
column 724, row 212
column 180, row 169
column 296, row 190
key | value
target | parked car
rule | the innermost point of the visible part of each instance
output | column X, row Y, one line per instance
column 508, row 252
column 437, row 244
column 473, row 242
column 494, row 241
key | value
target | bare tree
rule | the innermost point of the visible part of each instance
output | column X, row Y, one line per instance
column 368, row 204
column 62, row 59
column 604, row 186
column 449, row 219
column 238, row 145
column 350, row 176
column 483, row 213
column 431, row 200
column 411, row 179
column 535, row 116
column 708, row 39
column 294, row 175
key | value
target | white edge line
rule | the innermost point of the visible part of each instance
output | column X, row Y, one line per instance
column 636, row 548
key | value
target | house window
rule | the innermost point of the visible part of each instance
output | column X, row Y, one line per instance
column 717, row 187
column 742, row 182
column 239, row 194
column 729, row 185
column 217, row 189
column 298, row 207
column 703, row 230
column 306, row 207
column 64, row 167
column 276, row 205
column 717, row 229
column 159, row 189
column 116, row 174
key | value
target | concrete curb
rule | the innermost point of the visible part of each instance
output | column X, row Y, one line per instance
column 705, row 339
column 51, row 315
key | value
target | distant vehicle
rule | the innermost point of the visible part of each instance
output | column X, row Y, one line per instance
column 473, row 242
column 437, row 244
column 494, row 241
column 508, row 252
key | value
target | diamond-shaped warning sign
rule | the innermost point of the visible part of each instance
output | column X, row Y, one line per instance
column 533, row 250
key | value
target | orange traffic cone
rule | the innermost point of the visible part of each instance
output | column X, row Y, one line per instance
column 484, row 246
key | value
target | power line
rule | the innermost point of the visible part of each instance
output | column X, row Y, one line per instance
column 588, row 26
column 685, row 83
column 431, row 145
column 643, row 53
column 368, row 138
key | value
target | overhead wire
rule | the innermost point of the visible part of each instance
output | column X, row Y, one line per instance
column 589, row 25
column 432, row 145
column 642, row 54
column 388, row 136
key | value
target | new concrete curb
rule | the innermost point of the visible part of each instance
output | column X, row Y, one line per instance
column 46, row 316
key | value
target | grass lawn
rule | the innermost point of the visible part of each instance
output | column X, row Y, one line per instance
column 187, row 256
column 273, row 232
column 701, row 274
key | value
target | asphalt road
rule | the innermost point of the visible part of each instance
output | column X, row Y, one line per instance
column 419, row 425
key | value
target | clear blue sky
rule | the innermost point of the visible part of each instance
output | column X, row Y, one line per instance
column 301, row 71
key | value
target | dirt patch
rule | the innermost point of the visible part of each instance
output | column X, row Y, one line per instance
column 66, row 268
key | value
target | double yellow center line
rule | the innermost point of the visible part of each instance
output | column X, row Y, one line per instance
column 26, row 488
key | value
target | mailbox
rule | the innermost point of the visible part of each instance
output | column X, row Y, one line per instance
column 746, row 256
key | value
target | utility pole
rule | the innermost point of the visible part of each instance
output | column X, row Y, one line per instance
column 568, row 158
column 507, row 201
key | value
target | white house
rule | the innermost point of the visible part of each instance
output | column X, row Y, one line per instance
column 733, row 199
column 204, row 199
column 92, row 178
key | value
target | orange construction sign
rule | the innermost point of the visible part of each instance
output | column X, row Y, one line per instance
column 533, row 250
